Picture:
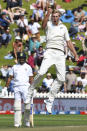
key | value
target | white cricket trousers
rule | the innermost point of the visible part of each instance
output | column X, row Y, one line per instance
column 21, row 92
column 51, row 57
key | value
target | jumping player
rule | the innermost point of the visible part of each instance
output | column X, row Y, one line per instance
column 56, row 34
column 22, row 75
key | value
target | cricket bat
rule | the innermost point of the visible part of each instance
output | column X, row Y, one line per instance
column 31, row 115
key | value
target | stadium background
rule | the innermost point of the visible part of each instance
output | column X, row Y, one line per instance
column 6, row 121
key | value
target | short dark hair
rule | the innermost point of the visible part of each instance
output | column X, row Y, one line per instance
column 80, row 7
column 32, row 52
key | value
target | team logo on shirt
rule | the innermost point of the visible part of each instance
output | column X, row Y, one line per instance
column 21, row 54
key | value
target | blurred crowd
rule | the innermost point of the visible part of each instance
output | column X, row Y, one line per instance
column 28, row 39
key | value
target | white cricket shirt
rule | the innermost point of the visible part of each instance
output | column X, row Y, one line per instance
column 34, row 28
column 21, row 74
column 20, row 23
column 56, row 35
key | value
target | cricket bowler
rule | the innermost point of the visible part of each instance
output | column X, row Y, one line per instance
column 56, row 36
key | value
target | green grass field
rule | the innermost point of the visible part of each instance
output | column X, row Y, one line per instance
column 48, row 123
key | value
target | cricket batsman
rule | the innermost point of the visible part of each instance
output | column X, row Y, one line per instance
column 22, row 75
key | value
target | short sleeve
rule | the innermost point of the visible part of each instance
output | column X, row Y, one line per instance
column 30, row 72
column 11, row 72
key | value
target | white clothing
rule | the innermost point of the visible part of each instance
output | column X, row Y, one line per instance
column 54, row 57
column 21, row 92
column 21, row 74
column 56, row 35
column 34, row 28
column 37, row 1
column 48, row 82
column 21, row 24
column 4, row 72
column 84, row 81
column 51, row 2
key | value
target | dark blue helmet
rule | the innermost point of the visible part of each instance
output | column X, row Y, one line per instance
column 21, row 57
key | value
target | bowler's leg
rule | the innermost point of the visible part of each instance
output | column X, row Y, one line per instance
column 60, row 71
column 46, row 63
column 37, row 79
column 53, row 91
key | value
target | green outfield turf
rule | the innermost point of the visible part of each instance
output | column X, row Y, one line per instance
column 48, row 123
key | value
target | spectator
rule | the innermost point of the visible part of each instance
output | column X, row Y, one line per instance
column 81, row 14
column 38, row 14
column 9, row 14
column 83, row 69
column 6, row 37
column 82, row 24
column 31, row 60
column 10, row 88
column 74, row 28
column 17, row 47
column 82, row 79
column 17, row 11
column 41, row 3
column 13, row 3
column 45, row 3
column 4, row 71
column 4, row 21
column 39, row 56
column 33, row 43
column 79, row 88
column 71, row 81
column 46, row 84
column 34, row 28
column 22, row 23
column 48, row 81
column 43, row 88
column 14, row 13
column 81, row 59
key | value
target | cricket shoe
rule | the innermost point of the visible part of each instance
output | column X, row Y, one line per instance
column 27, row 124
column 17, row 125
column 48, row 106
